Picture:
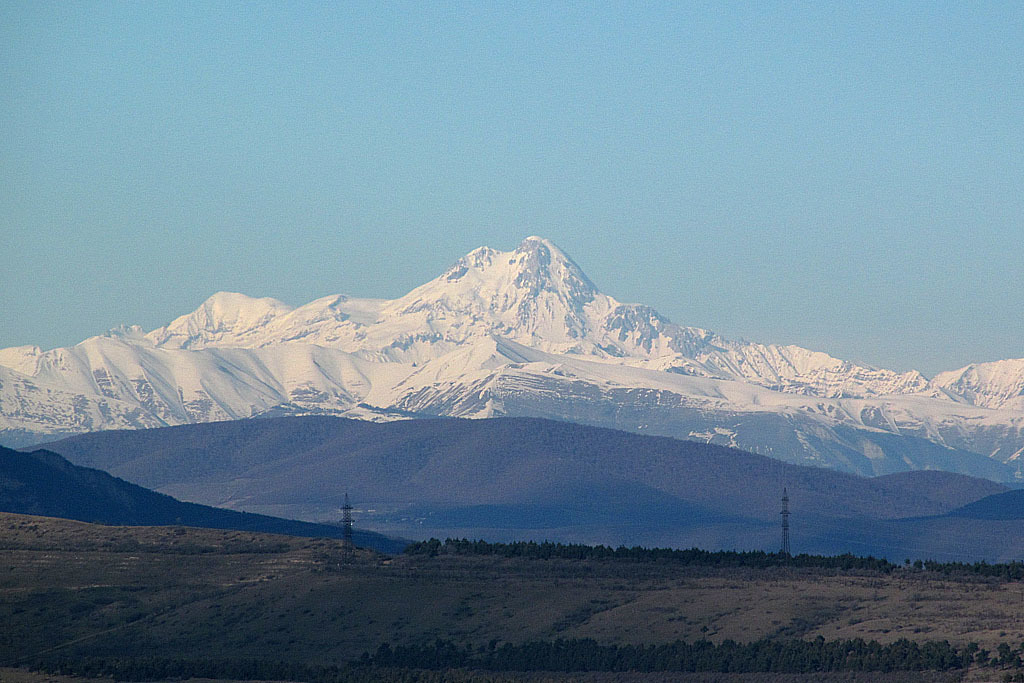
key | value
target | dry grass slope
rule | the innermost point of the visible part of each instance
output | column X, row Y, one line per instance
column 70, row 589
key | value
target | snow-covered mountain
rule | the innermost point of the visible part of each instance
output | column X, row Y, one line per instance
column 999, row 384
column 535, row 296
column 523, row 332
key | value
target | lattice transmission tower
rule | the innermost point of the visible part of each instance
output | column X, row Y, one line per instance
column 346, row 522
column 785, row 523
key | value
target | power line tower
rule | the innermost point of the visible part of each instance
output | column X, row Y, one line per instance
column 785, row 523
column 346, row 523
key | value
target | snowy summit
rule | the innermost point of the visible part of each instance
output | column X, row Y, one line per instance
column 521, row 332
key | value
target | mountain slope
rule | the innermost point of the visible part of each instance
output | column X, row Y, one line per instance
column 523, row 332
column 999, row 384
column 536, row 296
column 503, row 460
column 45, row 484
column 1008, row 505
column 529, row 478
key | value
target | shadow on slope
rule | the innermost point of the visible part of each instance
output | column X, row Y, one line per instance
column 528, row 478
column 1001, row 506
column 45, row 484
column 308, row 461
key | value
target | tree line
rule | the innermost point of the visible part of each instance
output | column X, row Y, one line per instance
column 758, row 559
column 393, row 663
column 767, row 656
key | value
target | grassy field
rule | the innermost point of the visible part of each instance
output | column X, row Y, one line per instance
column 69, row 589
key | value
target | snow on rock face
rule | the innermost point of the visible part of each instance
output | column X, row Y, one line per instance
column 533, row 293
column 518, row 328
column 793, row 369
column 226, row 319
column 22, row 359
column 28, row 404
column 235, row 320
column 638, row 326
column 998, row 384
column 107, row 383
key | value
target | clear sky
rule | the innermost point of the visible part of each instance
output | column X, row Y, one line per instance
column 848, row 177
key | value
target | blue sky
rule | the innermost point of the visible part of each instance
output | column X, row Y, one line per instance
column 846, row 178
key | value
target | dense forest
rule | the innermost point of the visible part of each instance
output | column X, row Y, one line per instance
column 786, row 656
column 695, row 557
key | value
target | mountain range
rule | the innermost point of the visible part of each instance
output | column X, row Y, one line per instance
column 518, row 333
column 534, row 479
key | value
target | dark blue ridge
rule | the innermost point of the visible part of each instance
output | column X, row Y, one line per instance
column 45, row 484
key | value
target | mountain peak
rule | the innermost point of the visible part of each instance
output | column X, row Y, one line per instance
column 535, row 265
column 534, row 294
column 23, row 359
column 995, row 384
column 535, row 241
column 223, row 304
column 224, row 312
column 541, row 265
column 545, row 249
column 501, row 332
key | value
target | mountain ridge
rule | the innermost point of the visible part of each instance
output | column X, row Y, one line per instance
column 529, row 322
column 44, row 483
column 531, row 478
